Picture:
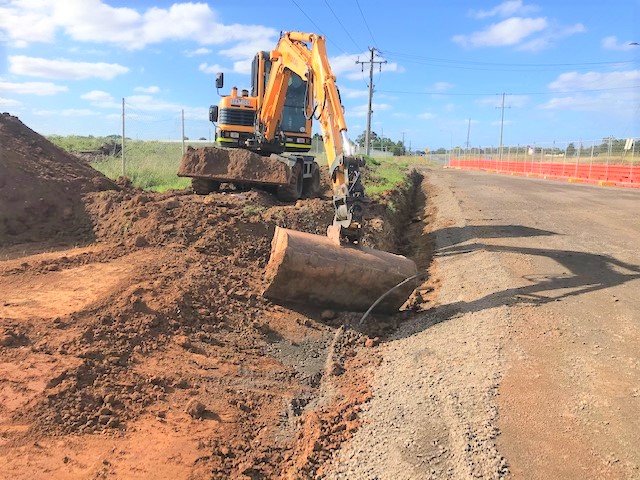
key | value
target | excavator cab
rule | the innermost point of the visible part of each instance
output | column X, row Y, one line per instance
column 235, row 114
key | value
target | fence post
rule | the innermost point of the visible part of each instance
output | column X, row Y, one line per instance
column 633, row 151
column 575, row 172
column 606, row 172
column 591, row 161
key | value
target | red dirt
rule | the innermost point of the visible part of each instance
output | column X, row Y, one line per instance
column 107, row 351
column 228, row 164
column 41, row 187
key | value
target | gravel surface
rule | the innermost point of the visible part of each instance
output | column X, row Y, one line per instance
column 516, row 371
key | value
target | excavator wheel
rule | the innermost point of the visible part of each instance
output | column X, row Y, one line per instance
column 203, row 186
column 292, row 191
column 312, row 185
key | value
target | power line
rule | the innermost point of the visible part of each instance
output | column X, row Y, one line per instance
column 343, row 27
column 366, row 24
column 317, row 27
column 471, row 62
column 497, row 68
column 522, row 93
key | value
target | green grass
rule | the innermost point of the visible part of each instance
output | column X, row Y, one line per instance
column 383, row 174
column 77, row 143
column 149, row 165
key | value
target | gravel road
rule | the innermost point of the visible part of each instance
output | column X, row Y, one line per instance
column 527, row 365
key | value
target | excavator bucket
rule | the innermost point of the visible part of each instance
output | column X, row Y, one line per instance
column 314, row 270
column 233, row 165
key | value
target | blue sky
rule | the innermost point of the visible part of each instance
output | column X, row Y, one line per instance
column 567, row 66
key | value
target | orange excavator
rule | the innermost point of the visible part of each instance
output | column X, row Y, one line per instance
column 334, row 271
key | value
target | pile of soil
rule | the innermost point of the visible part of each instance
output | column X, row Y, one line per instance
column 41, row 187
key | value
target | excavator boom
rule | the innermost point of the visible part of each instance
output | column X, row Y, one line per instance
column 335, row 270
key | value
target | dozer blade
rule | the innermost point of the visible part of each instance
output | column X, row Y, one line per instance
column 313, row 270
column 233, row 164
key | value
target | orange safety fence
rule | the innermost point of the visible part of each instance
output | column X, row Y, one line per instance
column 602, row 174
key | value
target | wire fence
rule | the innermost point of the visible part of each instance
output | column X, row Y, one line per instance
column 608, row 160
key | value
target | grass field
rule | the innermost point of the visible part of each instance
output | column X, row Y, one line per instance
column 149, row 165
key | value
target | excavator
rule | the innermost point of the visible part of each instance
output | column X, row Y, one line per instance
column 336, row 270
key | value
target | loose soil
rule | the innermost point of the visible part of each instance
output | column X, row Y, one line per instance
column 142, row 347
column 228, row 164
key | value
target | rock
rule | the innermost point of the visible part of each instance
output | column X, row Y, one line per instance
column 335, row 369
column 105, row 411
column 371, row 342
column 183, row 341
column 173, row 203
column 224, row 451
column 7, row 340
column 328, row 315
column 195, row 408
column 140, row 241
column 113, row 422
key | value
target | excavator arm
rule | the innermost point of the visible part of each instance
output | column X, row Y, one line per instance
column 292, row 54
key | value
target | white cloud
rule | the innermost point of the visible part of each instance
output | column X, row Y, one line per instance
column 495, row 123
column 505, row 9
column 63, row 69
column 442, row 86
column 549, row 36
column 242, row 66
column 361, row 110
column 508, row 32
column 101, row 99
column 98, row 22
column 197, row 51
column 150, row 90
column 206, row 68
column 97, row 96
column 347, row 92
column 427, row 115
column 32, row 88
column 606, row 103
column 78, row 112
column 571, row 86
column 135, row 104
column 516, row 101
column 611, row 43
column 572, row 81
column 345, row 65
column 45, row 113
column 9, row 102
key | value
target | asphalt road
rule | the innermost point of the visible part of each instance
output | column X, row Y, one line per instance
column 528, row 363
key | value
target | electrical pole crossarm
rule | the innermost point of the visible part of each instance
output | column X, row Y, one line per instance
column 371, row 63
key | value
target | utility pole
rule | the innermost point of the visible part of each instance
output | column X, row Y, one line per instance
column 124, row 173
column 502, row 124
column 371, row 63
column 404, row 149
column 468, row 133
column 183, row 131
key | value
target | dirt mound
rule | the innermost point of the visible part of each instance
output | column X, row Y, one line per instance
column 41, row 187
column 228, row 164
